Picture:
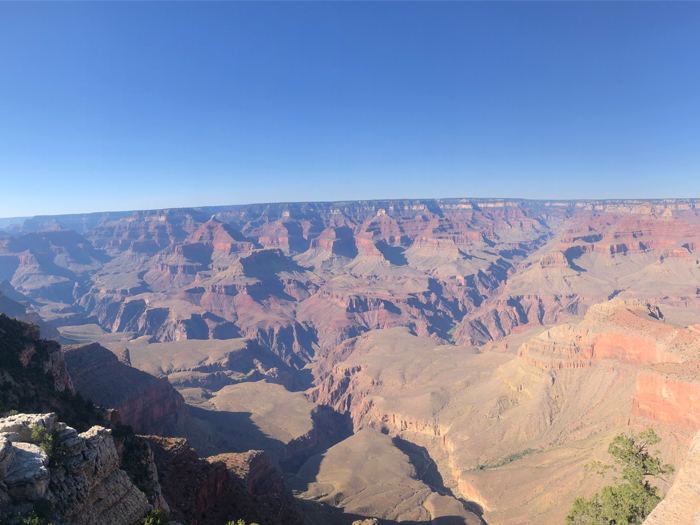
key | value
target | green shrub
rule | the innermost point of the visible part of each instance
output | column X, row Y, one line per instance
column 632, row 498
column 42, row 514
column 156, row 517
column 48, row 441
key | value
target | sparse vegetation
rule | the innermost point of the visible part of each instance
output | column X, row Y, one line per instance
column 42, row 514
column 239, row 522
column 506, row 460
column 135, row 458
column 632, row 498
column 451, row 333
column 48, row 441
column 156, row 517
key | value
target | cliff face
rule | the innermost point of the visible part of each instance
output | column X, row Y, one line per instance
column 682, row 503
column 670, row 393
column 629, row 331
column 218, row 489
column 33, row 370
column 142, row 400
column 632, row 332
column 85, row 485
column 255, row 477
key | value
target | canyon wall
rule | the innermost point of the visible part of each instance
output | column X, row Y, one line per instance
column 143, row 401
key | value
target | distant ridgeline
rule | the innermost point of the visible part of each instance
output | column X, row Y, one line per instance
column 84, row 222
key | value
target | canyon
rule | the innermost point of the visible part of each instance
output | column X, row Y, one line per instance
column 453, row 360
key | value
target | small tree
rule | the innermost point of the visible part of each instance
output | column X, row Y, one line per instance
column 156, row 517
column 632, row 498
column 48, row 441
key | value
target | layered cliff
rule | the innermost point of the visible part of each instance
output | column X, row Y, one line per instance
column 81, row 477
column 669, row 392
column 630, row 331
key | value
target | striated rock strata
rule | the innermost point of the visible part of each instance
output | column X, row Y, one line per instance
column 629, row 331
column 669, row 392
column 85, row 486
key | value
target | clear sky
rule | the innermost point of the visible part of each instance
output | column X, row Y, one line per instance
column 114, row 106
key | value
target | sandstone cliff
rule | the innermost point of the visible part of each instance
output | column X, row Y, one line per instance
column 669, row 392
column 84, row 485
column 628, row 331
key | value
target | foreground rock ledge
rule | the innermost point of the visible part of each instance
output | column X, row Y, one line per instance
column 86, row 486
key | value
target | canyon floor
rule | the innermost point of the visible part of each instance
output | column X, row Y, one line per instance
column 460, row 361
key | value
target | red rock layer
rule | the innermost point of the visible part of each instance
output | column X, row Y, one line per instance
column 669, row 393
column 630, row 332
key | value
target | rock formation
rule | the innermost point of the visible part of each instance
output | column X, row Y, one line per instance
column 142, row 400
column 34, row 371
column 221, row 488
column 628, row 331
column 84, row 483
column 669, row 392
column 681, row 506
column 404, row 317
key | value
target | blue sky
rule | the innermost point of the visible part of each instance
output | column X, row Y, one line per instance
column 114, row 106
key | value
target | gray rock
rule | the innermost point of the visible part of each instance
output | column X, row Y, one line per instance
column 23, row 424
column 27, row 476
column 7, row 453
column 86, row 488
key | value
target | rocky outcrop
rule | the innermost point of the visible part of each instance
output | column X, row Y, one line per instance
column 218, row 489
column 628, row 331
column 504, row 315
column 143, row 401
column 681, row 506
column 191, row 485
column 33, row 371
column 261, row 479
column 81, row 478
